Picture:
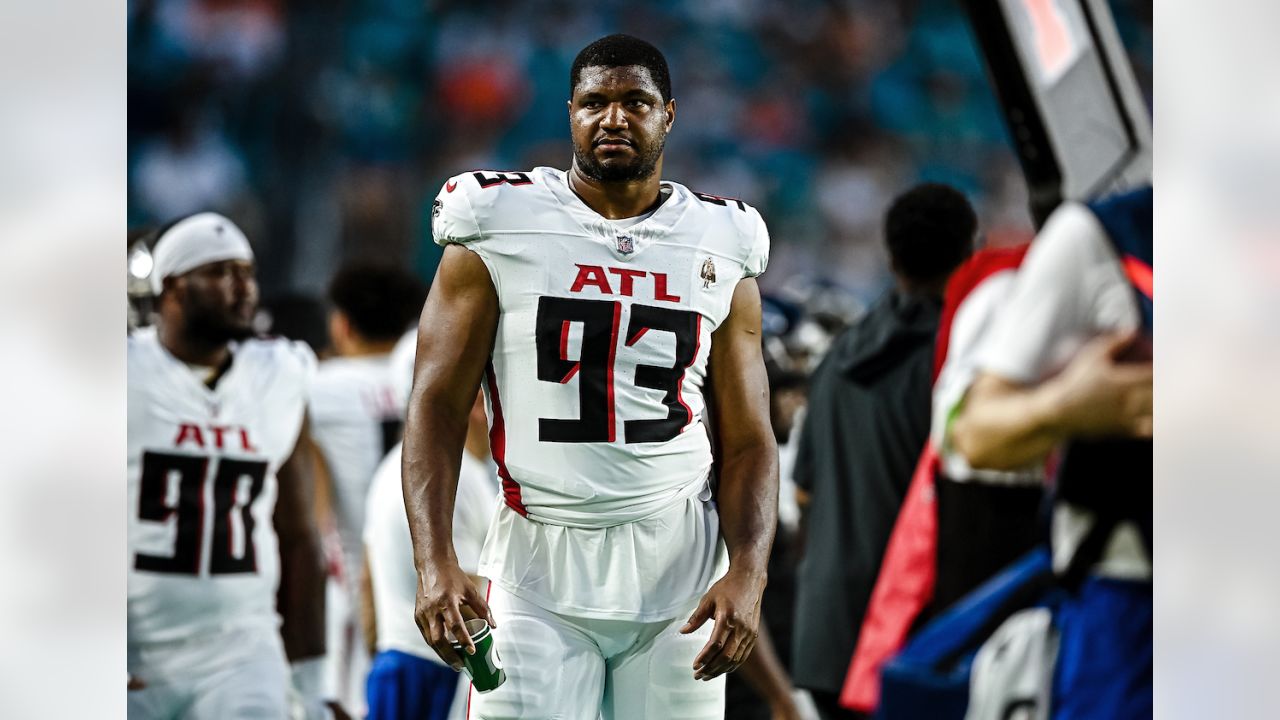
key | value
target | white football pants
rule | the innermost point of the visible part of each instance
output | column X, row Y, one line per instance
column 571, row 668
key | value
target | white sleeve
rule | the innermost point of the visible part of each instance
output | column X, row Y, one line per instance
column 758, row 254
column 453, row 220
column 307, row 361
column 1049, row 313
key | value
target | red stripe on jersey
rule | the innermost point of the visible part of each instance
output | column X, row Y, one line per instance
column 636, row 338
column 697, row 345
column 569, row 375
column 608, row 369
column 498, row 445
column 564, row 352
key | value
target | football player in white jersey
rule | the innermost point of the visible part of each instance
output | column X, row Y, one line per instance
column 355, row 418
column 219, row 498
column 596, row 304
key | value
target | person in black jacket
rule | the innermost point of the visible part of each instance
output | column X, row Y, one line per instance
column 867, row 421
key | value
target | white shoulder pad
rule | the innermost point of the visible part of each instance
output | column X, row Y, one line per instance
column 758, row 251
column 751, row 237
column 290, row 358
column 471, row 201
column 453, row 220
column 304, row 356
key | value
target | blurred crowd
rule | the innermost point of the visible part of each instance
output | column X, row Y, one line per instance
column 325, row 128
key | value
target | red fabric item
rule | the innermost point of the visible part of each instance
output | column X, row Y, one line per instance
column 1139, row 274
column 907, row 574
column 904, row 587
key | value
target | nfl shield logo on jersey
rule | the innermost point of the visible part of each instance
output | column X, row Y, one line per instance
column 626, row 245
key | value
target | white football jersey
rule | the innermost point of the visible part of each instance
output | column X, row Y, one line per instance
column 594, row 387
column 355, row 417
column 203, row 555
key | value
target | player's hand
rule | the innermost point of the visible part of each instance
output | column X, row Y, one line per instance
column 338, row 712
column 446, row 598
column 1098, row 393
column 734, row 603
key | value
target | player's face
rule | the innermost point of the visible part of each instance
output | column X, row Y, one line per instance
column 219, row 300
column 619, row 123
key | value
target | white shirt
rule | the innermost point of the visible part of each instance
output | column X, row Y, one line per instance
column 390, row 548
column 356, row 417
column 1069, row 289
column 973, row 320
column 203, row 555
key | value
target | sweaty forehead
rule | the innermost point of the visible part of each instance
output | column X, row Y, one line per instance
column 598, row 78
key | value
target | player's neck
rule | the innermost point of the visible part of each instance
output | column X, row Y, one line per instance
column 617, row 200
column 934, row 289
column 353, row 348
column 192, row 350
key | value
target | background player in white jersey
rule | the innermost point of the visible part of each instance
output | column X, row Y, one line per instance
column 356, row 417
column 408, row 681
column 596, row 304
column 219, row 496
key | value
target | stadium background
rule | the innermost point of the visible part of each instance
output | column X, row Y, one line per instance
column 325, row 128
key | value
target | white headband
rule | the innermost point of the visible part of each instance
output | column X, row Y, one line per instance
column 198, row 240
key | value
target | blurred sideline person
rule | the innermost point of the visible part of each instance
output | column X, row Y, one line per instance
column 407, row 680
column 219, row 492
column 356, row 417
column 957, row 526
column 1068, row 367
column 864, row 427
column 596, row 303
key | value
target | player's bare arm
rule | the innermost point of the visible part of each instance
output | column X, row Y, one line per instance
column 302, row 568
column 455, row 337
column 1005, row 425
column 748, row 491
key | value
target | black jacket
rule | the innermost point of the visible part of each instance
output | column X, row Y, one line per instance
column 865, row 425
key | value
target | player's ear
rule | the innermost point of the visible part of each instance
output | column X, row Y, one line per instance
column 170, row 286
column 671, row 112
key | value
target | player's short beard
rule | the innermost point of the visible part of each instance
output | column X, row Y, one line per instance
column 209, row 325
column 641, row 168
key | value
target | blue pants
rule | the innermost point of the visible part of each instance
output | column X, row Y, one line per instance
column 405, row 687
column 1103, row 671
